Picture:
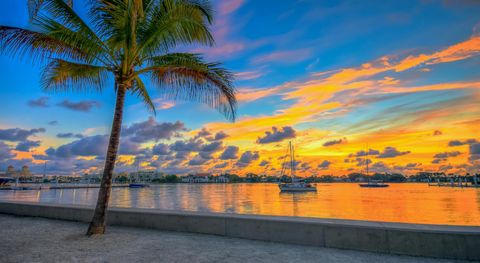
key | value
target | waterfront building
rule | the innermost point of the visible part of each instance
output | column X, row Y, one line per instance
column 196, row 178
column 145, row 176
column 11, row 171
column 221, row 179
column 25, row 171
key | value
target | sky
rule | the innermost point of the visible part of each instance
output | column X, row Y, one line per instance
column 396, row 79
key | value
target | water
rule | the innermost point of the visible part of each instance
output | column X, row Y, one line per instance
column 408, row 203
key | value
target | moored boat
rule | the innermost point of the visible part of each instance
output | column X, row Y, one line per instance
column 296, row 185
column 138, row 185
column 5, row 180
column 374, row 184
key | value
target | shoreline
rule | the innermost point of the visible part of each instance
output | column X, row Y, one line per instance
column 440, row 241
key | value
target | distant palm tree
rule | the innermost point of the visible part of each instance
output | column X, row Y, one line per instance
column 131, row 40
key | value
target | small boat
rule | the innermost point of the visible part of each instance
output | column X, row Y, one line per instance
column 374, row 184
column 5, row 180
column 296, row 185
column 138, row 185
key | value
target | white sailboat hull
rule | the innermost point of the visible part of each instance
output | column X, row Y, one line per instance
column 297, row 187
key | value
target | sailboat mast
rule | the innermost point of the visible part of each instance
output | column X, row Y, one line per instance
column 293, row 160
column 366, row 158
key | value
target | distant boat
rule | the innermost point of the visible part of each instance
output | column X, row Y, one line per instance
column 5, row 180
column 296, row 185
column 138, row 185
column 372, row 183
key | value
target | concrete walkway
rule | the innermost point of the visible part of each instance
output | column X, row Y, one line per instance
column 26, row 239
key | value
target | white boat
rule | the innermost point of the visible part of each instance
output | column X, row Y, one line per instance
column 297, row 185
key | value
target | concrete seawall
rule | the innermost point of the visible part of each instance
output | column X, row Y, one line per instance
column 453, row 242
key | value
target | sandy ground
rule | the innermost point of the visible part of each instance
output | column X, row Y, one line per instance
column 26, row 239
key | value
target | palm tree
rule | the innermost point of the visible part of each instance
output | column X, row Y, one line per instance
column 129, row 40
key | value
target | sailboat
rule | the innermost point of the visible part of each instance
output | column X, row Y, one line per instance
column 372, row 183
column 296, row 185
column 139, row 184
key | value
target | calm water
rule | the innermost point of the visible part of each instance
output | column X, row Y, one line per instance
column 411, row 203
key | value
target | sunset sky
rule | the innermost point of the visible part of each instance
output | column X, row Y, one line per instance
column 399, row 78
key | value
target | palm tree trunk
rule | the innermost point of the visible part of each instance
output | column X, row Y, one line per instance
column 97, row 225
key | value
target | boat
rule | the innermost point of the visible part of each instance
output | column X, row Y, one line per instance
column 5, row 180
column 138, row 185
column 372, row 183
column 297, row 185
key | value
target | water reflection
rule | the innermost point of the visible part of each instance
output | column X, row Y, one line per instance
column 414, row 203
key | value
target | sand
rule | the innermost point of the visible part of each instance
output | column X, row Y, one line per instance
column 27, row 239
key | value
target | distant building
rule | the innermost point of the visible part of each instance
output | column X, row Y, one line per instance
column 145, row 176
column 25, row 171
column 221, row 179
column 11, row 171
column 196, row 178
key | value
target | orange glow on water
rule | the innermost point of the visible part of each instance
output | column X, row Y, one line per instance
column 406, row 203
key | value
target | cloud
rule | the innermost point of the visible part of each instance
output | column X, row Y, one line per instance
column 283, row 57
column 362, row 161
column 226, row 7
column 161, row 149
column 5, row 151
column 221, row 165
column 441, row 157
column 364, row 153
column 95, row 145
column 191, row 145
column 69, row 135
column 231, row 152
column 88, row 146
column 277, row 135
column 220, row 136
column 212, row 147
column 248, row 157
column 447, row 154
column 203, row 133
column 264, row 163
column 151, row 130
column 324, row 165
column 248, row 75
column 82, row 106
column 53, row 123
column 18, row 134
column 380, row 167
column 334, row 142
column 391, row 152
column 197, row 160
column 25, row 146
column 437, row 133
column 474, row 149
column 161, row 104
column 41, row 102
column 460, row 143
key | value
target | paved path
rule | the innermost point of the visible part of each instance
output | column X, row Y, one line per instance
column 25, row 239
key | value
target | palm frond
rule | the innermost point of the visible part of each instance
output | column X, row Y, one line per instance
column 77, row 39
column 61, row 76
column 35, row 5
column 175, row 22
column 183, row 76
column 140, row 90
column 37, row 46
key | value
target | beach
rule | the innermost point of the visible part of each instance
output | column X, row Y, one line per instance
column 29, row 239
